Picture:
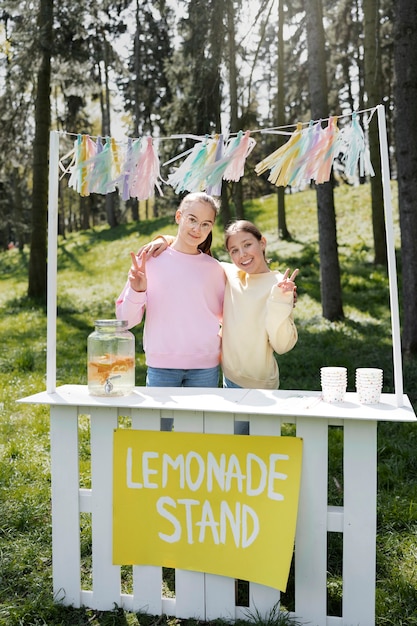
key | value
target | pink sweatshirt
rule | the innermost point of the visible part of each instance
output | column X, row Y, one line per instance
column 184, row 304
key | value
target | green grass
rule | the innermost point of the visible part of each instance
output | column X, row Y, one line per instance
column 92, row 271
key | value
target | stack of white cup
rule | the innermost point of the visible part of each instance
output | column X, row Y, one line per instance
column 333, row 383
column 369, row 384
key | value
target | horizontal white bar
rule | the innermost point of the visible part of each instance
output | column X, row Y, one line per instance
column 335, row 519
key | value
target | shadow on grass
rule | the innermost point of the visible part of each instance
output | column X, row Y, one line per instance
column 14, row 263
column 71, row 253
column 328, row 345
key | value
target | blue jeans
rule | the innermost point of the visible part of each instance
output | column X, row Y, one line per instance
column 229, row 383
column 170, row 377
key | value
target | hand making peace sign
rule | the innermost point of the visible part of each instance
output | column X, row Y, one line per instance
column 288, row 284
column 137, row 272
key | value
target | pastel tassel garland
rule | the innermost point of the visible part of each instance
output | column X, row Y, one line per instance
column 133, row 168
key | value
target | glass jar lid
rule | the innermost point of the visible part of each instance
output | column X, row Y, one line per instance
column 111, row 323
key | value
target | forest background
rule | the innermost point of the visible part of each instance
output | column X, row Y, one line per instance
column 198, row 67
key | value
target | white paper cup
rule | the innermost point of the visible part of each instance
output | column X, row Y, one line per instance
column 369, row 384
column 333, row 383
column 333, row 374
column 333, row 393
column 369, row 371
column 368, row 394
column 333, row 371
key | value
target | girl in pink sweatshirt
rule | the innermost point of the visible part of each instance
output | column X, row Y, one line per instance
column 182, row 290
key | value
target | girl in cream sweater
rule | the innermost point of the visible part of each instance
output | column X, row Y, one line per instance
column 257, row 312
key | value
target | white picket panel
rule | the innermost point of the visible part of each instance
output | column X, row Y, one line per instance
column 147, row 580
column 201, row 595
column 106, row 577
column 219, row 590
column 360, row 490
column 261, row 598
column 65, row 485
column 190, row 587
column 311, row 534
column 147, row 585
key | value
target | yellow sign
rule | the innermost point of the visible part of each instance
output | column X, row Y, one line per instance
column 221, row 504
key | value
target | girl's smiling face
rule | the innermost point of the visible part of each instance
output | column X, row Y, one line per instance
column 195, row 222
column 247, row 252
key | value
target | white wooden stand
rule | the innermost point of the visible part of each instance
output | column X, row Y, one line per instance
column 205, row 596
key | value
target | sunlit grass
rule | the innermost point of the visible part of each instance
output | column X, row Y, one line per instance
column 92, row 270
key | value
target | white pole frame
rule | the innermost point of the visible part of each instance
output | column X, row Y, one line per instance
column 392, row 271
column 53, row 248
column 53, row 194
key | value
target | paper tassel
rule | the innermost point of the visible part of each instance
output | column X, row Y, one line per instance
column 94, row 175
column 304, row 167
column 74, row 178
column 214, row 173
column 123, row 183
column 116, row 159
column 234, row 157
column 88, row 150
column 236, row 166
column 280, row 161
column 84, row 150
column 354, row 151
column 127, row 167
column 216, row 190
column 147, row 173
column 188, row 177
column 326, row 151
column 131, row 164
column 101, row 177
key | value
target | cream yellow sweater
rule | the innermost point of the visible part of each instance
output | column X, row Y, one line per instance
column 257, row 321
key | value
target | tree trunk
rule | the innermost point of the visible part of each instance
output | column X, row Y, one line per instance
column 330, row 287
column 225, row 208
column 106, row 129
column 283, row 232
column 37, row 260
column 405, row 55
column 237, row 191
column 18, row 207
column 373, row 82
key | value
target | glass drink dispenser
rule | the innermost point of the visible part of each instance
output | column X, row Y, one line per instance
column 111, row 359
